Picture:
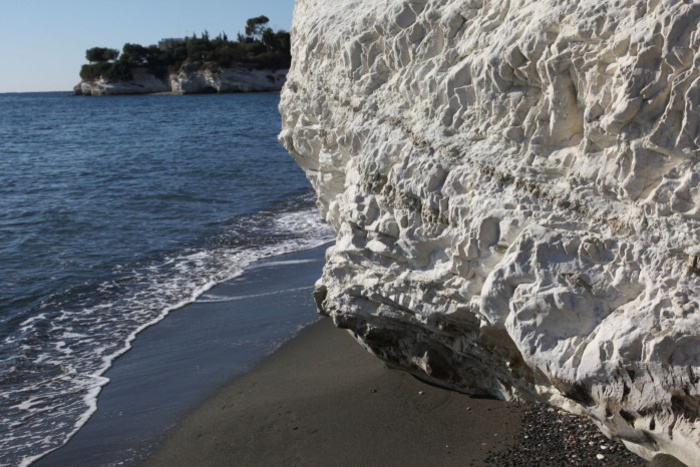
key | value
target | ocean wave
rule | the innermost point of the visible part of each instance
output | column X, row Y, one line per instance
column 52, row 368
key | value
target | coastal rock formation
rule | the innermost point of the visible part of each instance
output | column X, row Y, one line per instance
column 237, row 79
column 515, row 185
column 142, row 83
column 189, row 80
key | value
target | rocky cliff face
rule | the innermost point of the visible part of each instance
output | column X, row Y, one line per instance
column 142, row 83
column 516, row 191
column 189, row 80
column 195, row 81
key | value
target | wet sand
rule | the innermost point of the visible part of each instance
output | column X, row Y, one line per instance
column 178, row 363
column 189, row 394
column 323, row 400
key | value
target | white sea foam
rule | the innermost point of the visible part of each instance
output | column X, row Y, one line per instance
column 87, row 340
column 221, row 299
column 267, row 264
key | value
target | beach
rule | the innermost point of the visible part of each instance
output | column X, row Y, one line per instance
column 323, row 400
column 178, row 363
column 108, row 233
column 185, row 395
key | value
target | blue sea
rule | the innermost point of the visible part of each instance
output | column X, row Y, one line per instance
column 114, row 212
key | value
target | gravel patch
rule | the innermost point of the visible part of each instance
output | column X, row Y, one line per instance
column 553, row 437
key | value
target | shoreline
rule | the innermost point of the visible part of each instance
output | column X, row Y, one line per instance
column 318, row 399
column 170, row 93
column 176, row 364
column 322, row 399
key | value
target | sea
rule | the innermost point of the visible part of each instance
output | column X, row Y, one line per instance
column 115, row 211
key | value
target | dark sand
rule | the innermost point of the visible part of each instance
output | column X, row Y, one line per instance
column 177, row 364
column 320, row 400
column 323, row 400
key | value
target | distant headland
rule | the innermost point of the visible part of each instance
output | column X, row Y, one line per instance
column 256, row 62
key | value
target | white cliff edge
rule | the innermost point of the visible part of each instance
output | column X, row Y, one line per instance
column 142, row 83
column 189, row 80
column 516, row 191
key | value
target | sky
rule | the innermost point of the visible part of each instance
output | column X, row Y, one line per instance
column 43, row 42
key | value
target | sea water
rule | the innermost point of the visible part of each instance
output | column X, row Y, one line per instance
column 115, row 211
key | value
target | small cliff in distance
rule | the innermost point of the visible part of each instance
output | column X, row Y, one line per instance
column 256, row 62
column 188, row 80
column 515, row 187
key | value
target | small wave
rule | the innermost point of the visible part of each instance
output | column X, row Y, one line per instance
column 219, row 299
column 284, row 263
column 52, row 383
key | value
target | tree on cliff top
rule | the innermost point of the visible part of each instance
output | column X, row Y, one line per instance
column 261, row 48
column 256, row 26
column 101, row 54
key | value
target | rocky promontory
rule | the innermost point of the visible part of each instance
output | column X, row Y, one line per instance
column 255, row 62
column 188, row 80
column 515, row 187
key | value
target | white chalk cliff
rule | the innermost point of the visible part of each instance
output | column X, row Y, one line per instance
column 189, row 80
column 516, row 191
column 142, row 83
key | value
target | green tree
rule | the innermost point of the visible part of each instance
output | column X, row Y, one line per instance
column 283, row 41
column 277, row 42
column 119, row 71
column 94, row 71
column 101, row 54
column 268, row 38
column 255, row 27
column 260, row 48
column 135, row 54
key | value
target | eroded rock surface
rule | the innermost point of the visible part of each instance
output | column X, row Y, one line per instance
column 516, row 191
column 238, row 79
column 189, row 80
column 142, row 83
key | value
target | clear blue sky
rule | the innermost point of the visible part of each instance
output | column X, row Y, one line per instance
column 43, row 42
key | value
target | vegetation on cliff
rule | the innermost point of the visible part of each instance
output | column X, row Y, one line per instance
column 260, row 47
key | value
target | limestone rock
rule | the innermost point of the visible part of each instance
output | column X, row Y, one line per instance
column 235, row 79
column 189, row 80
column 143, row 82
column 516, row 191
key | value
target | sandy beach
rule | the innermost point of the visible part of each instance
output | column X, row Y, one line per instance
column 177, row 364
column 323, row 400
column 189, row 393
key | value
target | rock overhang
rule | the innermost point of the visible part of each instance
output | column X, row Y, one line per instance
column 516, row 191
